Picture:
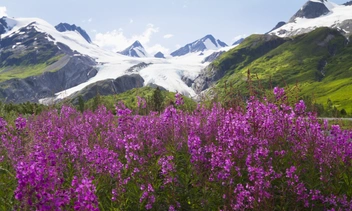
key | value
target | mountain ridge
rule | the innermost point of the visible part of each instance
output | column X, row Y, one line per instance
column 315, row 14
column 135, row 50
column 312, row 9
column 318, row 62
column 62, row 27
column 206, row 43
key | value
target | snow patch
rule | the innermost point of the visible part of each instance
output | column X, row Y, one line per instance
column 210, row 45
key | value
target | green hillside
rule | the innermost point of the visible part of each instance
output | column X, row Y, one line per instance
column 320, row 63
column 25, row 70
column 129, row 98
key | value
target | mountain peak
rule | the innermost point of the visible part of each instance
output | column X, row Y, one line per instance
column 135, row 50
column 206, row 43
column 315, row 14
column 209, row 36
column 159, row 55
column 313, row 9
column 217, row 43
column 62, row 27
column 319, row 1
column 137, row 44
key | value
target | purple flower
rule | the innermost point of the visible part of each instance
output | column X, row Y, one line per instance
column 178, row 99
column 279, row 92
column 20, row 123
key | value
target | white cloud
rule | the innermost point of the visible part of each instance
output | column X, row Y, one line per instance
column 168, row 36
column 3, row 11
column 131, row 21
column 116, row 40
column 90, row 20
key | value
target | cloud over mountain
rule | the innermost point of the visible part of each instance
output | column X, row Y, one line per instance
column 116, row 40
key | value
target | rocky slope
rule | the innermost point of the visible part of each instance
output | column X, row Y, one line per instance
column 110, row 87
column 74, row 71
column 34, row 66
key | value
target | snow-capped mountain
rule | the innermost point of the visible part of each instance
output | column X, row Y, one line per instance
column 73, row 41
column 38, row 61
column 313, row 9
column 69, row 63
column 206, row 43
column 135, row 50
column 315, row 14
column 63, row 27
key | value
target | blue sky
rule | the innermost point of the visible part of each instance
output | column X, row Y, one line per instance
column 161, row 25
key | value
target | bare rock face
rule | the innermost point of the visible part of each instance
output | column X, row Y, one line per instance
column 76, row 70
column 60, row 67
column 111, row 86
column 3, row 25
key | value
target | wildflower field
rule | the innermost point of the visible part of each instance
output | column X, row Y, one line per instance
column 264, row 156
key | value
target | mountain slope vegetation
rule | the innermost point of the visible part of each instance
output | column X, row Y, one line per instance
column 319, row 63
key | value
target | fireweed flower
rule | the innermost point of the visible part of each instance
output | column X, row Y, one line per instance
column 85, row 195
column 178, row 99
column 3, row 125
column 300, row 107
column 20, row 123
column 279, row 92
column 167, row 168
column 141, row 102
column 237, row 159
